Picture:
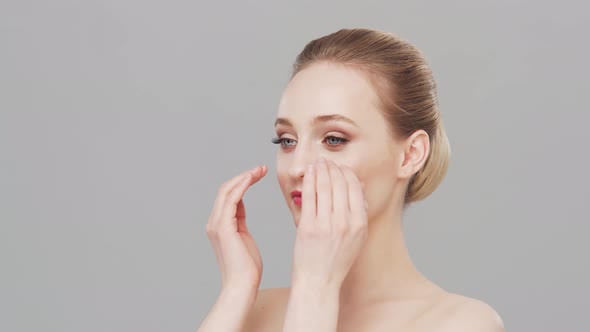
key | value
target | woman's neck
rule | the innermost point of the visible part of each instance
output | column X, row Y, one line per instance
column 383, row 268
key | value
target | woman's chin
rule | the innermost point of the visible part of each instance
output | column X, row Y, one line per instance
column 295, row 212
column 296, row 217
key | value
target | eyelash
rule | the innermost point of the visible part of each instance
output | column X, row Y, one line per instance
column 276, row 140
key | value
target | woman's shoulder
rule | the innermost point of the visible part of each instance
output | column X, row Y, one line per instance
column 268, row 311
column 456, row 312
column 450, row 312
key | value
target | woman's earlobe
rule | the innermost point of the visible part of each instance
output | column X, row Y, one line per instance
column 408, row 163
column 405, row 169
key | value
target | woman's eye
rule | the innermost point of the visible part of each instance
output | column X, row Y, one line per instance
column 282, row 141
column 287, row 142
column 336, row 140
column 330, row 140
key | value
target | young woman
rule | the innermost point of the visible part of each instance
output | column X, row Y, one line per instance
column 360, row 137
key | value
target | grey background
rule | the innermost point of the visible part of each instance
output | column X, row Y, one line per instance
column 120, row 119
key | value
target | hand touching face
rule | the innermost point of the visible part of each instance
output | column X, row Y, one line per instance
column 333, row 225
column 333, row 112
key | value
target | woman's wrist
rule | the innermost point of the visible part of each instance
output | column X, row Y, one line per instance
column 239, row 293
column 316, row 286
column 311, row 290
column 313, row 306
column 231, row 309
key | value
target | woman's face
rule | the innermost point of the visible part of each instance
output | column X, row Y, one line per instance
column 328, row 110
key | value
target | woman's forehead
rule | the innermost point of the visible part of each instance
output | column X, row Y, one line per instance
column 326, row 90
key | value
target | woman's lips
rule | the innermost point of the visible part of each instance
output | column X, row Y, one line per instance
column 296, row 196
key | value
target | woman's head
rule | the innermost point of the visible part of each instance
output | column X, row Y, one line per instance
column 365, row 99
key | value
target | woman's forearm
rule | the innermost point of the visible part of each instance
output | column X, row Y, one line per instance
column 312, row 309
column 230, row 311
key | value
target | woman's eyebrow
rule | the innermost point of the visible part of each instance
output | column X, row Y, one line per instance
column 318, row 119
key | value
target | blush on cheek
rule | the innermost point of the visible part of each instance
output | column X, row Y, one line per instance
column 358, row 173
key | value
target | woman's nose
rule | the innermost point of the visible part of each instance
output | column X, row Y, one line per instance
column 298, row 167
column 297, row 170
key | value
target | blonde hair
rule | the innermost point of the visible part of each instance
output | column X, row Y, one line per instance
column 405, row 86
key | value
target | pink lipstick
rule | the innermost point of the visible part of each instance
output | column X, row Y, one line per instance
column 296, row 196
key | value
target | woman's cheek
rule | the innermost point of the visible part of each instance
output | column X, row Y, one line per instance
column 281, row 172
column 361, row 175
column 356, row 169
column 282, row 164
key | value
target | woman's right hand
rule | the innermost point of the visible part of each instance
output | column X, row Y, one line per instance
column 237, row 255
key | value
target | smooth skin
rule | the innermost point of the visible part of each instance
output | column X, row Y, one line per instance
column 237, row 255
column 332, row 230
column 351, row 268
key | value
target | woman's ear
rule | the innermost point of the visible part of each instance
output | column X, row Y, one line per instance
column 415, row 152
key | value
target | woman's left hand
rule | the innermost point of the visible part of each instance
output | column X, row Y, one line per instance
column 332, row 229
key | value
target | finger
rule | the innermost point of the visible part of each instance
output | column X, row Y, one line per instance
column 240, row 210
column 241, row 217
column 308, row 196
column 230, row 209
column 258, row 173
column 356, row 199
column 224, row 191
column 339, row 189
column 222, row 194
column 324, row 192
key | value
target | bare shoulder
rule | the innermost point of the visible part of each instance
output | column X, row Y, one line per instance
column 462, row 313
column 268, row 311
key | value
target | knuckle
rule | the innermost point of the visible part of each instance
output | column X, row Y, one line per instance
column 341, row 227
column 212, row 235
column 359, row 228
column 234, row 195
column 223, row 189
column 210, row 229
